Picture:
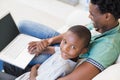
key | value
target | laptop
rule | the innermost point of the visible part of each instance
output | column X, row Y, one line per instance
column 13, row 44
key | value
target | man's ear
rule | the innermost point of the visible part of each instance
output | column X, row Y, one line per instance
column 84, row 50
column 108, row 16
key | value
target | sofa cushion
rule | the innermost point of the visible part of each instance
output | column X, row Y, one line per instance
column 118, row 60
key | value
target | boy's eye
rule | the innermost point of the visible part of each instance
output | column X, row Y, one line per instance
column 73, row 47
column 64, row 42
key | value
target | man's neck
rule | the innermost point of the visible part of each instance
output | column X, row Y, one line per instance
column 108, row 27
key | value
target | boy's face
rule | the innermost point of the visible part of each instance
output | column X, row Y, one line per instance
column 71, row 45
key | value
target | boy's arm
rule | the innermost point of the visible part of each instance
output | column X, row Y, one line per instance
column 56, row 39
column 50, row 50
column 39, row 46
column 33, row 72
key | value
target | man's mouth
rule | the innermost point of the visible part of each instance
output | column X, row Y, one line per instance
column 97, row 29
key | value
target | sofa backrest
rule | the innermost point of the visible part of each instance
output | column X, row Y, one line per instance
column 77, row 17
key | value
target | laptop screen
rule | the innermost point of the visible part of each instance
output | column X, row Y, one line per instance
column 8, row 30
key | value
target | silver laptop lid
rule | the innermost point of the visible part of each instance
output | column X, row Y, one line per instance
column 8, row 30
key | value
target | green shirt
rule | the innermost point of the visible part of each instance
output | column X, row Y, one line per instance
column 104, row 48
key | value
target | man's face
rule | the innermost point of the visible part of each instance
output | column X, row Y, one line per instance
column 97, row 18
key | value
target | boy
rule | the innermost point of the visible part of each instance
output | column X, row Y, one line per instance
column 74, row 42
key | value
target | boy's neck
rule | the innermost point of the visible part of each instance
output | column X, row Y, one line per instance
column 75, row 59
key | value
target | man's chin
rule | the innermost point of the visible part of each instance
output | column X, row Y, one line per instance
column 97, row 29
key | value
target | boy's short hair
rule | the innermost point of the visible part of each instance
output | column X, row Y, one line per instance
column 82, row 32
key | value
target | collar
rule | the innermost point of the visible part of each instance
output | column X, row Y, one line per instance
column 109, row 32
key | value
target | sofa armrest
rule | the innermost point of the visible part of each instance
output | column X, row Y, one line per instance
column 111, row 73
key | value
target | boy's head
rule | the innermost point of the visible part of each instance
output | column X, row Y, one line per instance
column 75, row 42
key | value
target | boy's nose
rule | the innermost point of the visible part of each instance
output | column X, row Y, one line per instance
column 66, row 48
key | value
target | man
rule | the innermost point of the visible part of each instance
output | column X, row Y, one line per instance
column 103, row 49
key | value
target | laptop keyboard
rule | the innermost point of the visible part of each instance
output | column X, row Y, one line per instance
column 17, row 46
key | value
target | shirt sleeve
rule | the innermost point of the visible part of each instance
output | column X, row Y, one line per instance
column 103, row 53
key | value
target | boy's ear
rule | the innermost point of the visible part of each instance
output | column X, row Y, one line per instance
column 84, row 50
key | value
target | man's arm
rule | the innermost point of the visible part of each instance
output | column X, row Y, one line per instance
column 85, row 71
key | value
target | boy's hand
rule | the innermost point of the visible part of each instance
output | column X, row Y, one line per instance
column 38, row 46
column 32, row 78
column 50, row 50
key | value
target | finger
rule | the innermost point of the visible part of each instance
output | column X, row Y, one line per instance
column 32, row 50
column 43, row 45
column 31, row 46
column 32, row 42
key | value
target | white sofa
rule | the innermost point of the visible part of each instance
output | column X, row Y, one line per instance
column 81, row 17
column 76, row 17
column 111, row 73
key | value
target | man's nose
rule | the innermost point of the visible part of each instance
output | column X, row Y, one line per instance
column 90, row 16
